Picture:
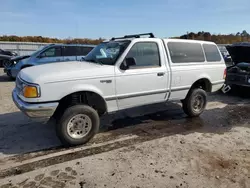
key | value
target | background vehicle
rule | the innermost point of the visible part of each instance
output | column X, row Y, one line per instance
column 118, row 74
column 226, row 55
column 6, row 55
column 238, row 74
column 49, row 54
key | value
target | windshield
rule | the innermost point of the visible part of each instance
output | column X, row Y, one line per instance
column 38, row 50
column 107, row 52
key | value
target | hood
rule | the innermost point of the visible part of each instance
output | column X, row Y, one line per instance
column 5, row 56
column 18, row 58
column 239, row 52
column 5, row 52
column 65, row 71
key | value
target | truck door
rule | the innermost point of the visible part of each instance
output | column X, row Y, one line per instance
column 145, row 82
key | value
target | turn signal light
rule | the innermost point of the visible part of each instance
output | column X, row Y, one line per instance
column 30, row 92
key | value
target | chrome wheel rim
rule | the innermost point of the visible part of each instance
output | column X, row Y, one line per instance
column 79, row 126
column 198, row 103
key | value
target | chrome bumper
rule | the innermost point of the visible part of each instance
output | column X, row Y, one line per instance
column 44, row 110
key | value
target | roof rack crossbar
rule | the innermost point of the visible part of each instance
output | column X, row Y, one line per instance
column 151, row 35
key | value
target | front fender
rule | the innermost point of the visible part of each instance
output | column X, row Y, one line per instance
column 82, row 88
column 19, row 65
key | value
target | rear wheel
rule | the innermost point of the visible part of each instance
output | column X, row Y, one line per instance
column 77, row 125
column 195, row 102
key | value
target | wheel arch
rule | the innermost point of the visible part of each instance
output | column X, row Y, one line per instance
column 88, row 97
column 202, row 83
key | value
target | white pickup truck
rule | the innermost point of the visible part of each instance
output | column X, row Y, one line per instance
column 118, row 74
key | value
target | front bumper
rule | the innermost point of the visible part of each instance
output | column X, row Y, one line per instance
column 12, row 72
column 42, row 110
column 7, row 71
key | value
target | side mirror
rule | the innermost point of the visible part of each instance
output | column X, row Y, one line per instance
column 128, row 62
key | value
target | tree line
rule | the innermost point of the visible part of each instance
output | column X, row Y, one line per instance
column 243, row 36
column 13, row 38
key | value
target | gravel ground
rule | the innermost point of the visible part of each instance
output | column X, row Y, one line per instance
column 153, row 146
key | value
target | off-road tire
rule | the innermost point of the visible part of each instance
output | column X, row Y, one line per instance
column 187, row 103
column 62, row 123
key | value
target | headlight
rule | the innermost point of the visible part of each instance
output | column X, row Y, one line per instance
column 28, row 90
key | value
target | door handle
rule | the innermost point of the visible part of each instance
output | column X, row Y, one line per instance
column 160, row 74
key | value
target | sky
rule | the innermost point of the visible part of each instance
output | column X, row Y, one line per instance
column 109, row 18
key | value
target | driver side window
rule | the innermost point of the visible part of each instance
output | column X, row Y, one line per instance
column 146, row 54
column 52, row 52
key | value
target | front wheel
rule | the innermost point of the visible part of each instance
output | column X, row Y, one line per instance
column 10, row 76
column 195, row 102
column 77, row 125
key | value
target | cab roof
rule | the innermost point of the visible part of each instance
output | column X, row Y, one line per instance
column 152, row 36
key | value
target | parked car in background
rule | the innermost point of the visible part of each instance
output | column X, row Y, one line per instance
column 226, row 55
column 238, row 74
column 6, row 55
column 223, row 50
column 48, row 54
column 118, row 74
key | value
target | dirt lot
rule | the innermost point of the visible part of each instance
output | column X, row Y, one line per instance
column 153, row 146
